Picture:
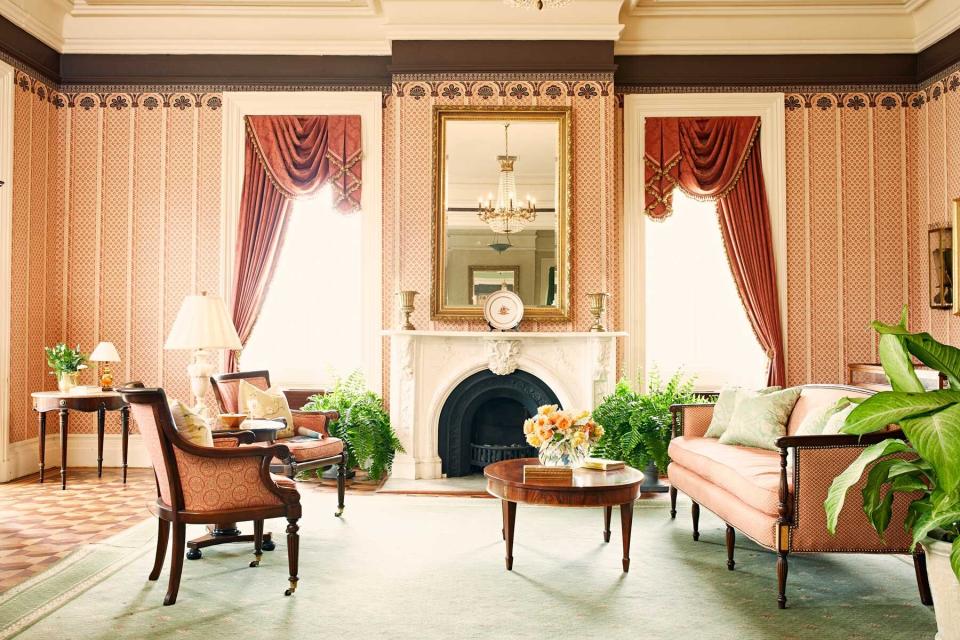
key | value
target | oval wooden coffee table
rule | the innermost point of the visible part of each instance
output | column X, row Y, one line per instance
column 589, row 489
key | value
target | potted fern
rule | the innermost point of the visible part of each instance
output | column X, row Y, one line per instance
column 364, row 425
column 925, row 464
column 637, row 425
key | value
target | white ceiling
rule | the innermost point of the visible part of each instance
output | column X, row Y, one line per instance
column 369, row 26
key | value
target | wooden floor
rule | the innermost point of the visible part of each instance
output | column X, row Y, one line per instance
column 40, row 523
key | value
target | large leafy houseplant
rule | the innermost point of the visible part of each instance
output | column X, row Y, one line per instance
column 364, row 425
column 926, row 463
column 637, row 425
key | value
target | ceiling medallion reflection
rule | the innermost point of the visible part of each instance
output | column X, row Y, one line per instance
column 508, row 215
column 538, row 4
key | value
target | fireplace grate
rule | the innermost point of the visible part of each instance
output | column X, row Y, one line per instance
column 483, row 454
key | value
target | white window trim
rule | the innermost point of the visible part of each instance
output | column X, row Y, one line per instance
column 769, row 106
column 8, row 465
column 369, row 106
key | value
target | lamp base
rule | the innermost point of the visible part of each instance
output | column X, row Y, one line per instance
column 200, row 371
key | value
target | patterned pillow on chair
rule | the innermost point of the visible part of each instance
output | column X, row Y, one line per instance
column 266, row 405
column 191, row 425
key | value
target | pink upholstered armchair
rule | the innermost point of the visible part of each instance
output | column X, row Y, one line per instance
column 305, row 453
column 207, row 485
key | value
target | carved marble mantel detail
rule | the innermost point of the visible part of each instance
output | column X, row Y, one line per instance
column 502, row 356
column 426, row 366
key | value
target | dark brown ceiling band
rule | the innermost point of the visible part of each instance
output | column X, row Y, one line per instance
column 500, row 56
column 29, row 50
column 227, row 70
column 766, row 70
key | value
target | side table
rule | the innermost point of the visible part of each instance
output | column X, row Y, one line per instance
column 63, row 403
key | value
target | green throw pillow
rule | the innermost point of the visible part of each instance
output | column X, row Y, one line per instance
column 759, row 421
column 816, row 420
column 837, row 420
column 726, row 404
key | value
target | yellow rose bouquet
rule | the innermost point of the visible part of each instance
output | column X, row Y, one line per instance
column 564, row 438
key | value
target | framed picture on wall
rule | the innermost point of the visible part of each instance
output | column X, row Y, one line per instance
column 940, row 240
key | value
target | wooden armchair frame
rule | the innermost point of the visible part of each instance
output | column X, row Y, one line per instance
column 314, row 420
column 151, row 406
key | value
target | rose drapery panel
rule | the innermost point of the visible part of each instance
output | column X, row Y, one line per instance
column 718, row 159
column 286, row 158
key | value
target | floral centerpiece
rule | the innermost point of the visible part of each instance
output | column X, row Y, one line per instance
column 563, row 437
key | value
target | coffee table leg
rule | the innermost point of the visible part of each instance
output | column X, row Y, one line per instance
column 509, row 520
column 607, row 513
column 626, row 526
column 63, row 448
column 101, row 423
column 42, row 441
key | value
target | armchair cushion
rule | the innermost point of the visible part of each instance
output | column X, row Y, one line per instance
column 305, row 448
column 266, row 405
column 191, row 426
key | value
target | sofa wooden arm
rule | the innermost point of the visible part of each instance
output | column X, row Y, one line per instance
column 804, row 485
column 690, row 419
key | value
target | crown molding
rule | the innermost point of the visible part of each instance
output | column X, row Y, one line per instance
column 778, row 46
column 206, row 46
column 49, row 30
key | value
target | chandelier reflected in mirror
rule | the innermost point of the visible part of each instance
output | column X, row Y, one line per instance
column 508, row 215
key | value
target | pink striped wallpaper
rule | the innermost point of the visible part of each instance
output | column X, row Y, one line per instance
column 117, row 218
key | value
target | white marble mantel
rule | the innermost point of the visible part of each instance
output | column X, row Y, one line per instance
column 426, row 366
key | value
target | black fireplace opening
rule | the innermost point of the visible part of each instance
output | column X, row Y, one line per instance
column 482, row 420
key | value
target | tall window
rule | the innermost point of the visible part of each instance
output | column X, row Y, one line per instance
column 695, row 320
column 310, row 329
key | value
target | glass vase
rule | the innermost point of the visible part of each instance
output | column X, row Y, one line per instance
column 562, row 454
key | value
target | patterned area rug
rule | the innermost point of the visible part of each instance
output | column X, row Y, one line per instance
column 419, row 567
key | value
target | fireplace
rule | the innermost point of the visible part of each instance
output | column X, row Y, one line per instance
column 482, row 420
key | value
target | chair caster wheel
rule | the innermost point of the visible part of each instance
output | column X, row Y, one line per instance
column 254, row 563
column 194, row 554
column 268, row 545
column 288, row 592
column 338, row 513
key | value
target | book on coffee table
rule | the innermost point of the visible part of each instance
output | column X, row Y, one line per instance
column 603, row 464
column 542, row 474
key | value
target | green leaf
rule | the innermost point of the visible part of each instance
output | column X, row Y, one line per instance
column 955, row 557
column 891, row 407
column 876, row 505
column 897, row 364
column 934, row 519
column 852, row 474
column 936, row 438
column 902, row 467
column 936, row 355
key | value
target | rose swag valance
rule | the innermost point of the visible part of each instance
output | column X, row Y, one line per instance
column 719, row 159
column 286, row 158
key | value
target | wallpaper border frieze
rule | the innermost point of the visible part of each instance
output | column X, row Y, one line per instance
column 508, row 86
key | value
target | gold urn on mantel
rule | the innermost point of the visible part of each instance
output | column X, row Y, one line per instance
column 406, row 307
column 598, row 303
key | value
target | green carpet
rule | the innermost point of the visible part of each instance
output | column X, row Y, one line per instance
column 420, row 567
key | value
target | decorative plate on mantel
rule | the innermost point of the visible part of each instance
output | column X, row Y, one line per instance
column 503, row 310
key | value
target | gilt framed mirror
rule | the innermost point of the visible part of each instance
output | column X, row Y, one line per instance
column 501, row 209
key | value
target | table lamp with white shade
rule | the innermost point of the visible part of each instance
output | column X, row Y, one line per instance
column 105, row 353
column 202, row 324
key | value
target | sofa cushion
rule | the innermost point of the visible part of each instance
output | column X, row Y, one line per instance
column 816, row 420
column 752, row 475
column 814, row 398
column 761, row 420
column 190, row 425
column 727, row 403
column 838, row 420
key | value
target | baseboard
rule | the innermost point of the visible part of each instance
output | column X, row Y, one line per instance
column 24, row 458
